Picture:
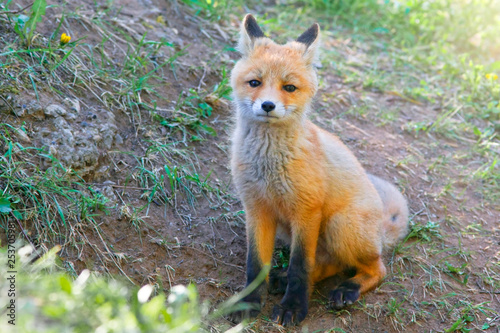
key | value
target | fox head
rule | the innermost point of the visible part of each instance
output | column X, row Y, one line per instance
column 274, row 83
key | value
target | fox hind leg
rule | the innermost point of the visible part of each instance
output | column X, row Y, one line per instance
column 278, row 281
column 368, row 277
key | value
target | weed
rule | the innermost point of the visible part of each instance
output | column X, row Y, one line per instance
column 53, row 204
column 466, row 313
column 215, row 10
column 282, row 257
column 91, row 302
column 223, row 89
column 132, row 214
column 396, row 312
column 425, row 232
column 25, row 26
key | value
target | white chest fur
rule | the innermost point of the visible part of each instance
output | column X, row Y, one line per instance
column 262, row 156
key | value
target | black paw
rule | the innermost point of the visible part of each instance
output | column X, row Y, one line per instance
column 346, row 294
column 241, row 315
column 278, row 281
column 249, row 309
column 288, row 315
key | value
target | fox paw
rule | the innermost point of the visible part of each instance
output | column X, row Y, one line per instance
column 288, row 315
column 251, row 309
column 346, row 294
column 241, row 315
column 278, row 281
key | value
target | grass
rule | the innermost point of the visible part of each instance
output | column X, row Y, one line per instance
column 48, row 196
column 53, row 301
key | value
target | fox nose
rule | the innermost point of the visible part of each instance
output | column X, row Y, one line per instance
column 268, row 106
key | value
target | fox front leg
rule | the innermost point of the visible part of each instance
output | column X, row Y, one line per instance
column 261, row 232
column 294, row 306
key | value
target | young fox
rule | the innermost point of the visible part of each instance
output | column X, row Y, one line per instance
column 302, row 182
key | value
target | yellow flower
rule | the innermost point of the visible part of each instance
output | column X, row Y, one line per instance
column 160, row 19
column 491, row 76
column 65, row 38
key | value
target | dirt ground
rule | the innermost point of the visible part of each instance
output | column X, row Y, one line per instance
column 204, row 242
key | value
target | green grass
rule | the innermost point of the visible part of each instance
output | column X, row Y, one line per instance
column 52, row 204
column 215, row 10
column 164, row 185
column 129, row 82
column 49, row 300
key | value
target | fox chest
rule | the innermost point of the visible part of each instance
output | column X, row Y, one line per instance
column 266, row 175
column 270, row 164
column 269, row 178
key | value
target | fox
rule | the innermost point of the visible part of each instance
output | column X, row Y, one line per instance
column 300, row 183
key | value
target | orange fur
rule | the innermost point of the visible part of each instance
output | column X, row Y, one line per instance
column 293, row 176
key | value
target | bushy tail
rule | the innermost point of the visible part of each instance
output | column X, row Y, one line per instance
column 395, row 221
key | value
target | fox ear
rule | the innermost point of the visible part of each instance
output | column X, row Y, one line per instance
column 311, row 39
column 250, row 31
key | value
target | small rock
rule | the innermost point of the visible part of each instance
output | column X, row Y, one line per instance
column 109, row 193
column 21, row 111
column 44, row 131
column 53, row 150
column 108, row 132
column 97, row 138
column 107, row 142
column 54, row 110
column 33, row 108
column 70, row 116
column 72, row 104
column 68, row 137
column 74, row 108
column 84, row 124
column 109, row 182
column 102, row 171
column 118, row 139
column 22, row 136
column 61, row 124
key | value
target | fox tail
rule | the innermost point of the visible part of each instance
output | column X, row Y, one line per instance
column 395, row 218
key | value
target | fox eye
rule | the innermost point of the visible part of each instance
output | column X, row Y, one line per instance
column 290, row 88
column 254, row 83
